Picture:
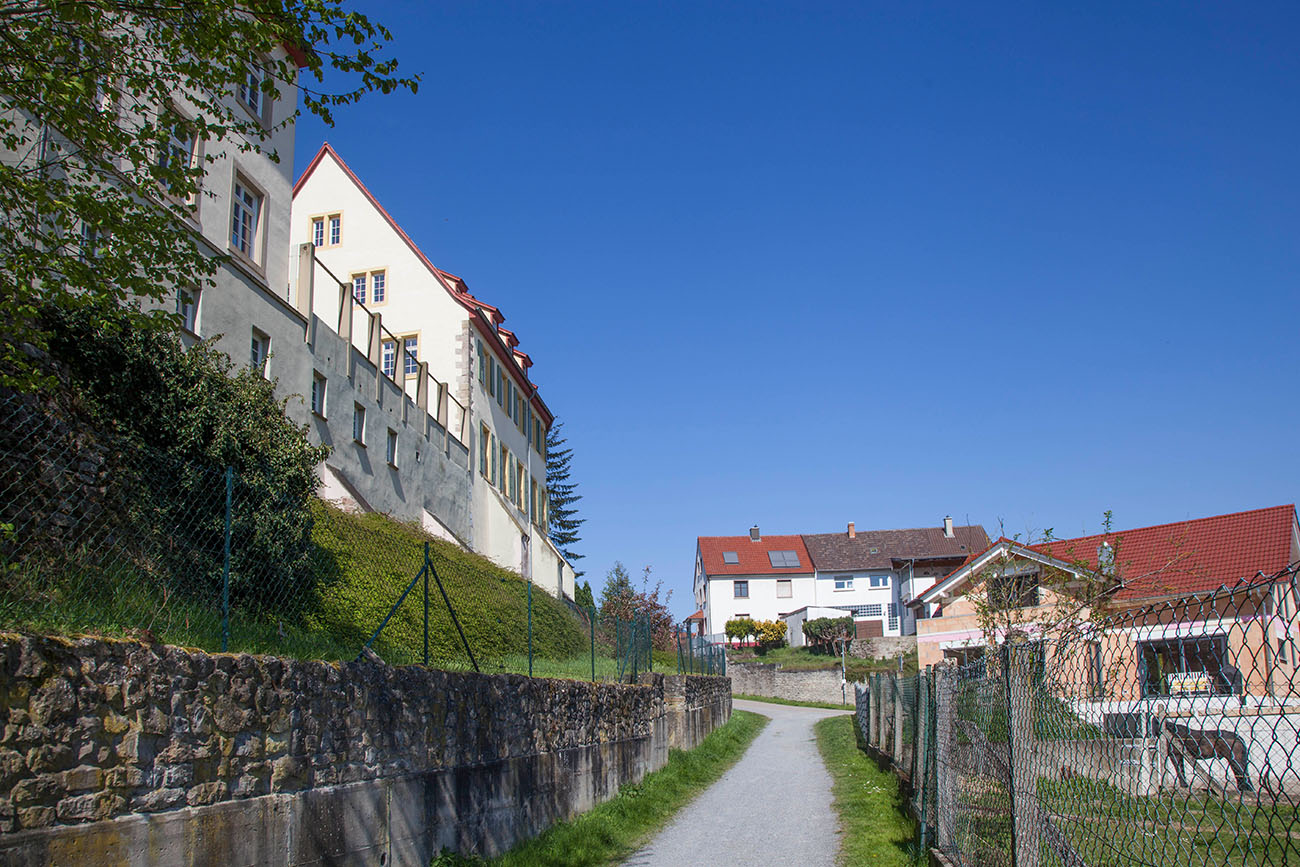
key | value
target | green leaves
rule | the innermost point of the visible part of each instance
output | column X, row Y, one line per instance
column 94, row 97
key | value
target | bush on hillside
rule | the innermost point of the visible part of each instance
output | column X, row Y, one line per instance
column 177, row 417
column 823, row 632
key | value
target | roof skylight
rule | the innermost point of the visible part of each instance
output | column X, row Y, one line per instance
column 730, row 558
column 783, row 559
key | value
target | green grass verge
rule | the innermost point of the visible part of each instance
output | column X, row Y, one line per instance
column 618, row 827
column 844, row 707
column 873, row 827
column 803, row 659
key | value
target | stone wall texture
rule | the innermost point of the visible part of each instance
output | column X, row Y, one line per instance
column 117, row 752
column 770, row 680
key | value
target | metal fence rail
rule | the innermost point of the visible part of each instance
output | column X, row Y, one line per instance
column 103, row 535
column 1161, row 734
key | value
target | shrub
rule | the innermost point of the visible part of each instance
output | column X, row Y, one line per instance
column 770, row 634
column 739, row 629
column 822, row 632
column 193, row 414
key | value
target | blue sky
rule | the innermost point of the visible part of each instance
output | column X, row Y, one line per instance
column 804, row 264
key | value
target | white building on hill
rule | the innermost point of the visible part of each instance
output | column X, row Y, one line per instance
column 426, row 332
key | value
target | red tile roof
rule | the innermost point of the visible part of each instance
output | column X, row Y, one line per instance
column 1189, row 557
column 752, row 555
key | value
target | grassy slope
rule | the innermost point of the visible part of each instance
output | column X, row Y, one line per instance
column 874, row 829
column 619, row 827
column 361, row 565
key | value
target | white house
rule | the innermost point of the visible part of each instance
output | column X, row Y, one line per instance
column 870, row 575
column 426, row 331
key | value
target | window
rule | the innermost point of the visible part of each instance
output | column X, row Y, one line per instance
column 318, row 394
column 359, row 288
column 90, row 243
column 187, row 307
column 537, row 435
column 390, row 449
column 504, row 470
column 783, row 559
column 411, row 343
column 740, row 589
column 336, row 230
column 318, row 232
column 870, row 610
column 879, row 580
column 359, row 423
column 501, row 386
column 1281, row 650
column 245, row 217
column 484, row 452
column 178, row 151
column 893, row 616
column 784, row 588
column 532, row 500
column 521, row 485
column 844, row 582
column 250, row 94
column 730, row 558
column 492, row 376
column 259, row 351
column 482, row 365
column 1188, row 666
column 388, row 357
column 378, row 286
column 1014, row 590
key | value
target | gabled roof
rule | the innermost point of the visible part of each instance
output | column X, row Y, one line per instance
column 1178, row 559
column 491, row 318
column 752, row 557
column 836, row 552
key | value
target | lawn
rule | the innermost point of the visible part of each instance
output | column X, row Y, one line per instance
column 844, row 707
column 618, row 827
column 803, row 659
column 874, row 829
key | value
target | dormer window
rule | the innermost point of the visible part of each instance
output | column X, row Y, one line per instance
column 730, row 558
column 783, row 559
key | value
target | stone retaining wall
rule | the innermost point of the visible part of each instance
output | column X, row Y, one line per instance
column 121, row 752
column 770, row 680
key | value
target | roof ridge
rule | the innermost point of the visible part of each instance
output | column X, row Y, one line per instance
column 1290, row 506
column 938, row 527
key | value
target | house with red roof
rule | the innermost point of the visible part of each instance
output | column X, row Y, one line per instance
column 419, row 327
column 868, row 575
column 1155, row 581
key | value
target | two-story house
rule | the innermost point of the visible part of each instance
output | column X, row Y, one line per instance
column 422, row 322
column 868, row 575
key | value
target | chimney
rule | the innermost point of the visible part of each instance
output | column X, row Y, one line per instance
column 754, row 535
column 853, row 534
column 947, row 527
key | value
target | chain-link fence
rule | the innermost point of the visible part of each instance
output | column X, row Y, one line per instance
column 104, row 535
column 698, row 655
column 1165, row 733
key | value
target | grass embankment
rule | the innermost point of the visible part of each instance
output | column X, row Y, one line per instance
column 803, row 659
column 874, row 829
column 620, row 826
column 823, row 704
column 358, row 567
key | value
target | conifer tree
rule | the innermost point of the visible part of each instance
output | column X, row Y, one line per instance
column 563, row 494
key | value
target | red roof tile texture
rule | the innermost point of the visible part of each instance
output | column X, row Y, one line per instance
column 752, row 556
column 1189, row 557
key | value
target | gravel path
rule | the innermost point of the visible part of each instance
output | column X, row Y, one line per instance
column 773, row 807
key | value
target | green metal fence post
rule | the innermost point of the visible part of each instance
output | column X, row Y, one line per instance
column 426, row 604
column 530, row 628
column 225, row 566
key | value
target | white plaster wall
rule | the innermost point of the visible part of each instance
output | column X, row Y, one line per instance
column 762, row 604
